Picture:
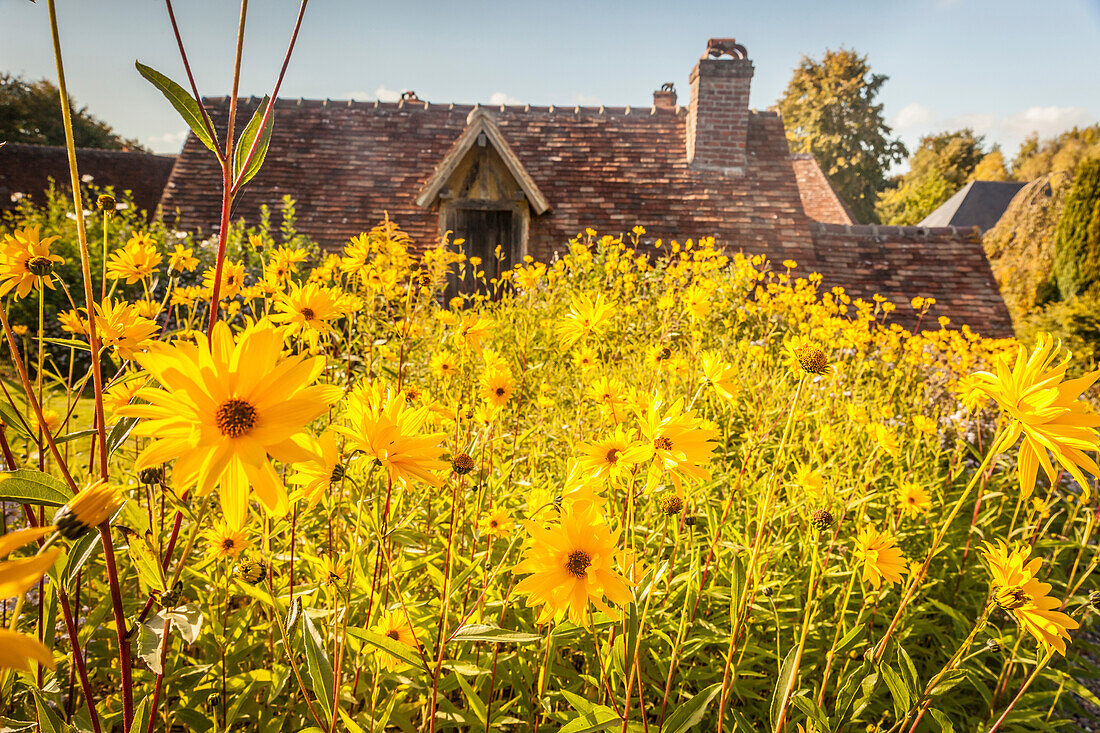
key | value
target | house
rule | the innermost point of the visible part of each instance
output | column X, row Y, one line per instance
column 977, row 204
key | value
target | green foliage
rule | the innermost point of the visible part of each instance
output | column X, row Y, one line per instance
column 829, row 110
column 1059, row 154
column 29, row 113
column 940, row 166
column 1077, row 237
column 1076, row 321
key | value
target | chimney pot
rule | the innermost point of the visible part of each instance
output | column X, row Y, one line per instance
column 665, row 97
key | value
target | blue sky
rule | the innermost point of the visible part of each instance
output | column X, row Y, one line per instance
column 1003, row 67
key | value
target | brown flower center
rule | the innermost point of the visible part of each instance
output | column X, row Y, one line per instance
column 307, row 313
column 235, row 418
column 812, row 359
column 40, row 266
column 228, row 543
column 493, row 523
column 613, row 456
column 662, row 443
column 1011, row 597
column 500, row 391
column 394, row 634
column 578, row 563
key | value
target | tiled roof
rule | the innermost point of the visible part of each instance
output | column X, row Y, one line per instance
column 28, row 169
column 977, row 204
column 819, row 198
column 349, row 163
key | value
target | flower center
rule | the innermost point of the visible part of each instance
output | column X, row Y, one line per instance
column 493, row 523
column 40, row 266
column 307, row 313
column 394, row 634
column 578, row 563
column 500, row 391
column 337, row 473
column 662, row 443
column 235, row 418
column 613, row 456
column 228, row 543
column 1011, row 597
column 812, row 359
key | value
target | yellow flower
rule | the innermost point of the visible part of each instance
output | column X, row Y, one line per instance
column 913, row 499
column 16, row 576
column 394, row 626
column 881, row 558
column 17, row 651
column 609, row 459
column 135, row 261
column 181, row 259
column 810, row 481
column 73, row 322
column 586, row 357
column 443, row 364
column 119, row 326
column 226, row 542
column 806, row 355
column 227, row 405
column 121, row 393
column 232, row 279
column 333, row 572
column 721, row 376
column 472, row 330
column 26, row 262
column 51, row 420
column 317, row 475
column 586, row 317
column 885, row 437
column 497, row 523
column 569, row 564
column 91, row 506
column 497, row 385
column 1017, row 591
column 1044, row 408
column 307, row 310
column 19, row 330
column 679, row 442
column 389, row 432
column 925, row 425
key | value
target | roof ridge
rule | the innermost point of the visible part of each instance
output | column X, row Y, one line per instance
column 463, row 107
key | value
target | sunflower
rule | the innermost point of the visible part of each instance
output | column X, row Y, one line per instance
column 26, row 262
column 51, row 421
column 284, row 261
column 608, row 393
column 809, row 481
column 182, row 260
column 307, row 310
column 610, row 458
column 569, row 564
column 472, row 329
column 881, row 558
column 73, row 322
column 1045, row 409
column 333, row 571
column 232, row 279
column 443, row 364
column 17, row 651
column 397, row 628
column 586, row 317
column 137, row 260
column 679, row 441
column 498, row 522
column 119, row 326
column 317, row 475
column 227, row 405
column 497, row 385
column 913, row 499
column 390, row 432
column 90, row 507
column 806, row 355
column 1016, row 590
column 225, row 542
column 120, row 395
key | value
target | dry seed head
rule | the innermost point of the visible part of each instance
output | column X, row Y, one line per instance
column 812, row 359
column 152, row 475
column 462, row 464
column 993, row 645
column 821, row 520
column 670, row 504
column 106, row 204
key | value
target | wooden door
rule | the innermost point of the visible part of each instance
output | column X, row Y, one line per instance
column 484, row 231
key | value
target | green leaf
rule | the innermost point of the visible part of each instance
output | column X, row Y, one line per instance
column 71, row 343
column 13, row 419
column 244, row 143
column 48, row 721
column 320, row 668
column 944, row 722
column 119, row 432
column 783, row 686
column 79, row 554
column 690, row 713
column 145, row 559
column 476, row 703
column 184, row 103
column 850, row 639
column 59, row 439
column 592, row 717
column 32, row 487
column 811, row 710
column 898, row 692
column 494, row 634
column 140, row 723
column 404, row 652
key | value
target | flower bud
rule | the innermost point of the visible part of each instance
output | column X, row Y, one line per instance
column 106, row 204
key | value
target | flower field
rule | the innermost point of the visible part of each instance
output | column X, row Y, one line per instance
column 646, row 486
column 614, row 492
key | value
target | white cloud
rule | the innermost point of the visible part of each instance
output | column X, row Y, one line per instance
column 912, row 115
column 382, row 94
column 1046, row 121
column 588, row 100
column 503, row 98
column 169, row 142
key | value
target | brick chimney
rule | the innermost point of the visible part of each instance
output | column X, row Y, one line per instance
column 665, row 97
column 718, row 113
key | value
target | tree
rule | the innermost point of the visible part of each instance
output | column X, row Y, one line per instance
column 940, row 166
column 1059, row 154
column 829, row 110
column 1077, row 237
column 29, row 113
